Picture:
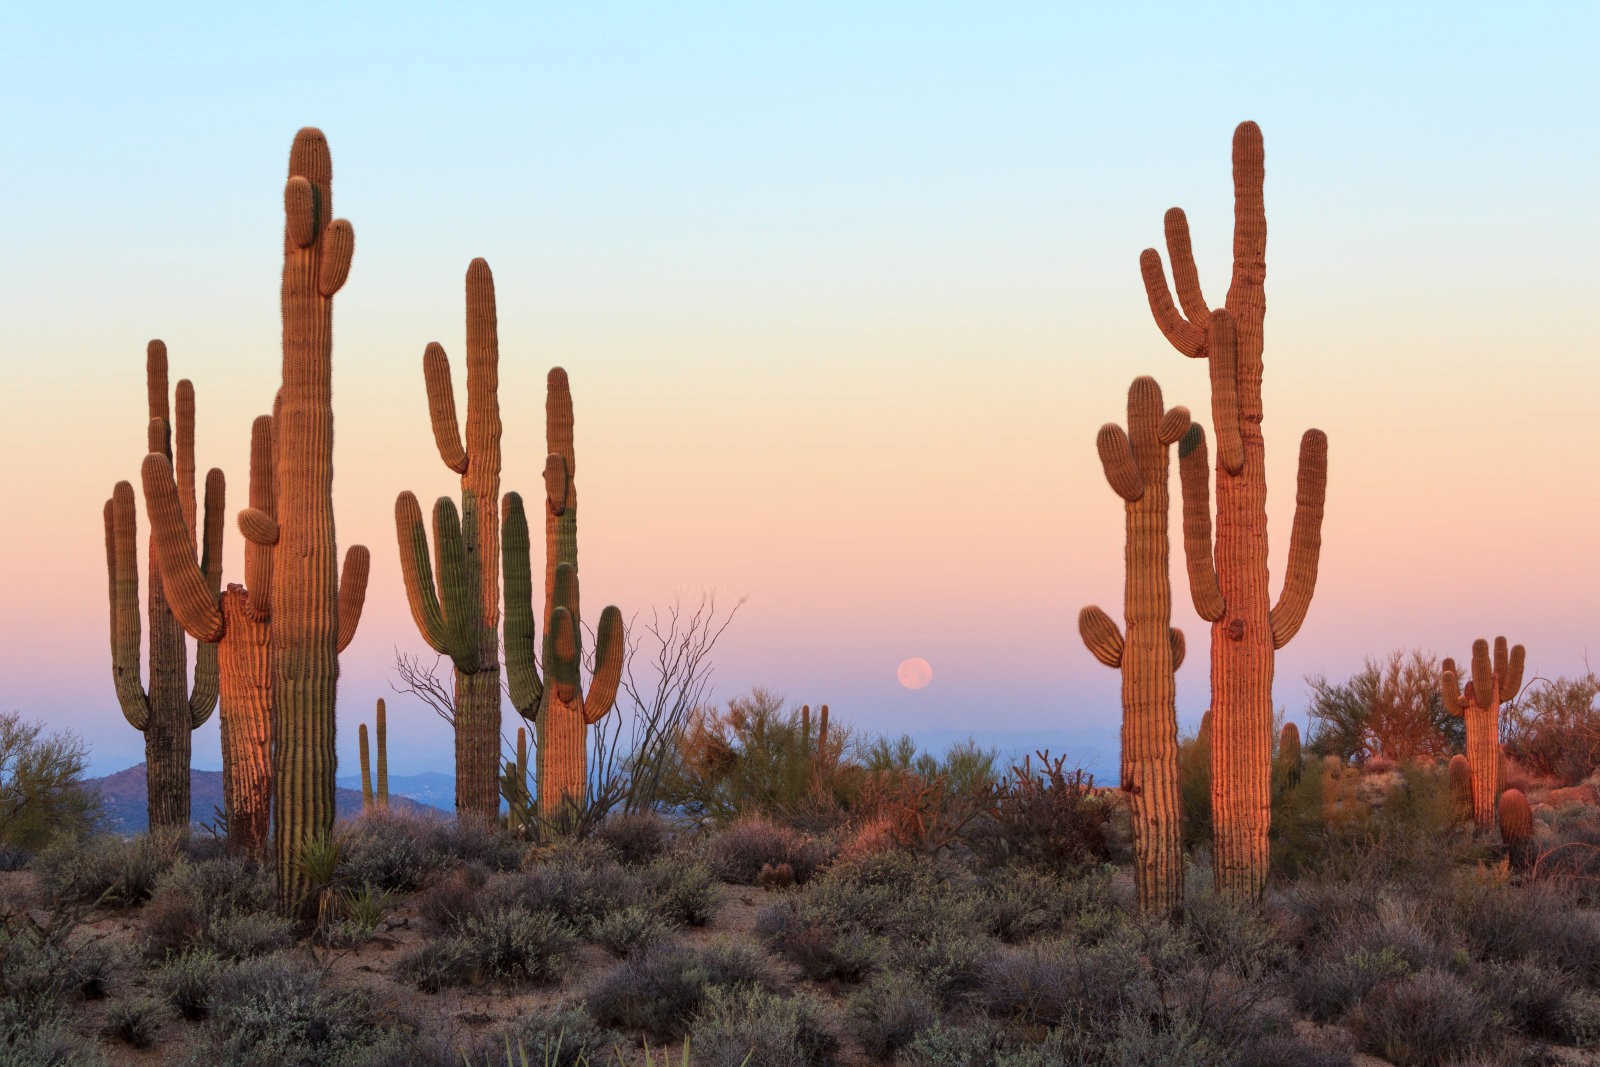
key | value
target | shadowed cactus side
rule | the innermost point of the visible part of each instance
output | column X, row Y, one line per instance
column 1287, row 765
column 1228, row 579
column 461, row 618
column 548, row 689
column 170, row 708
column 1493, row 682
column 1460, row 774
column 314, row 609
column 1137, row 462
column 514, row 786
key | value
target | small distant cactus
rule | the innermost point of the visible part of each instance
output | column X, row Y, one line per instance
column 1492, row 683
column 171, row 708
column 556, row 703
column 1460, row 787
column 1137, row 463
column 1516, row 826
column 378, row 798
column 514, row 786
column 1287, row 765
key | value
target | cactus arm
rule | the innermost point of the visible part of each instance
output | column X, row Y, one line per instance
column 183, row 453
column 1182, row 334
column 382, row 728
column 417, row 572
column 1482, row 674
column 1101, row 636
column 1224, row 343
column 522, row 671
column 1501, row 661
column 1185, row 278
column 352, row 593
column 1179, row 647
column 1450, row 688
column 1246, row 298
column 1305, row 540
column 1174, row 424
column 338, row 248
column 122, row 562
column 188, row 592
column 1511, row 680
column 258, row 549
column 207, row 678
column 155, row 385
column 609, row 647
column 1116, row 458
column 1195, row 475
column 442, row 407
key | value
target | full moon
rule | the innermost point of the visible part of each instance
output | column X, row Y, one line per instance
column 914, row 673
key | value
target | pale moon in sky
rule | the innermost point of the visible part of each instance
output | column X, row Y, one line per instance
column 914, row 673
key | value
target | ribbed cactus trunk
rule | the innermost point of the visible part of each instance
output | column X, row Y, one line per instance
column 556, row 703
column 169, row 710
column 1228, row 579
column 1493, row 682
column 246, row 648
column 1136, row 465
column 305, row 595
column 461, row 619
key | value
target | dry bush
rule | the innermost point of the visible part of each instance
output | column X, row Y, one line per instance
column 1390, row 709
column 1553, row 729
column 1048, row 817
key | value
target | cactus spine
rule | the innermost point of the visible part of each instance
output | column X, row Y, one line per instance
column 1493, row 682
column 1136, row 465
column 556, row 703
column 1228, row 581
column 369, row 797
column 461, row 620
column 171, row 708
column 312, row 612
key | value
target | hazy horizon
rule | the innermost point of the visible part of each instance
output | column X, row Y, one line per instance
column 844, row 299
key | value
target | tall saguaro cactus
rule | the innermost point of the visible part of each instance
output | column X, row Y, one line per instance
column 462, row 619
column 1228, row 579
column 1136, row 465
column 313, row 611
column 556, row 702
column 171, row 708
column 1493, row 682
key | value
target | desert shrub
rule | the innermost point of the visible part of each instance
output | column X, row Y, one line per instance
column 746, row 1025
column 683, row 894
column 49, row 1044
column 238, row 937
column 624, row 932
column 580, row 888
column 515, row 946
column 1536, row 923
column 191, row 898
column 273, row 1010
column 188, row 983
column 1021, row 903
column 1047, row 817
column 42, row 794
column 1533, row 1001
column 922, row 801
column 104, row 870
column 887, row 1012
column 1431, row 1017
column 1328, row 986
column 135, row 1021
column 738, row 853
column 549, row 1037
column 384, row 848
column 1299, row 825
column 359, row 913
column 1043, row 984
column 438, row 964
column 447, row 902
column 658, row 989
column 1553, row 729
column 1194, row 787
column 448, row 842
column 1391, row 708
column 44, row 967
column 635, row 838
column 821, row 950
column 948, row 1045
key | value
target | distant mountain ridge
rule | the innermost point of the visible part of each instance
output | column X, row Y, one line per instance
column 124, row 802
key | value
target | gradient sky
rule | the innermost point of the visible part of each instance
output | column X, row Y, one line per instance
column 844, row 297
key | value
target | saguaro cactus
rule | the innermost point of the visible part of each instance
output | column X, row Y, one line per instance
column 462, row 619
column 556, row 703
column 1136, row 465
column 1492, row 683
column 1228, row 581
column 369, row 797
column 1516, row 826
column 311, row 610
column 515, row 785
column 171, row 708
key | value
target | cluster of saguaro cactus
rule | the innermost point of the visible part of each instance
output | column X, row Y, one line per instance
column 314, row 611
column 555, row 702
column 378, row 798
column 171, row 707
column 239, row 620
column 1228, row 579
column 1492, row 683
column 818, row 756
column 462, row 618
column 1136, row 462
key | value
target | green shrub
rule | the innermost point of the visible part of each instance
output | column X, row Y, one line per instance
column 887, row 1012
column 241, row 936
column 683, row 894
column 622, row 933
column 1427, row 1018
column 748, row 1025
column 189, row 982
column 386, row 849
column 658, row 989
column 946, row 1045
column 105, row 870
column 549, row 1037
column 135, row 1022
column 42, row 795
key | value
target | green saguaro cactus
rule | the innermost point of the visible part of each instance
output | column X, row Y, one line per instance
column 1136, row 462
column 171, row 707
column 1228, row 578
column 462, row 617
column 371, row 798
column 311, row 604
column 556, row 703
column 1493, row 682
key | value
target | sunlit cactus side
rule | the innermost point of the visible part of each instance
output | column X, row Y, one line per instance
column 1460, row 774
column 461, row 617
column 1494, row 681
column 548, row 689
column 314, row 610
column 239, row 621
column 171, row 707
column 1137, row 462
column 1516, row 826
column 1228, row 578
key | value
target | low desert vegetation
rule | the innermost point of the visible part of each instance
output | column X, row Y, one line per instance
column 870, row 903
